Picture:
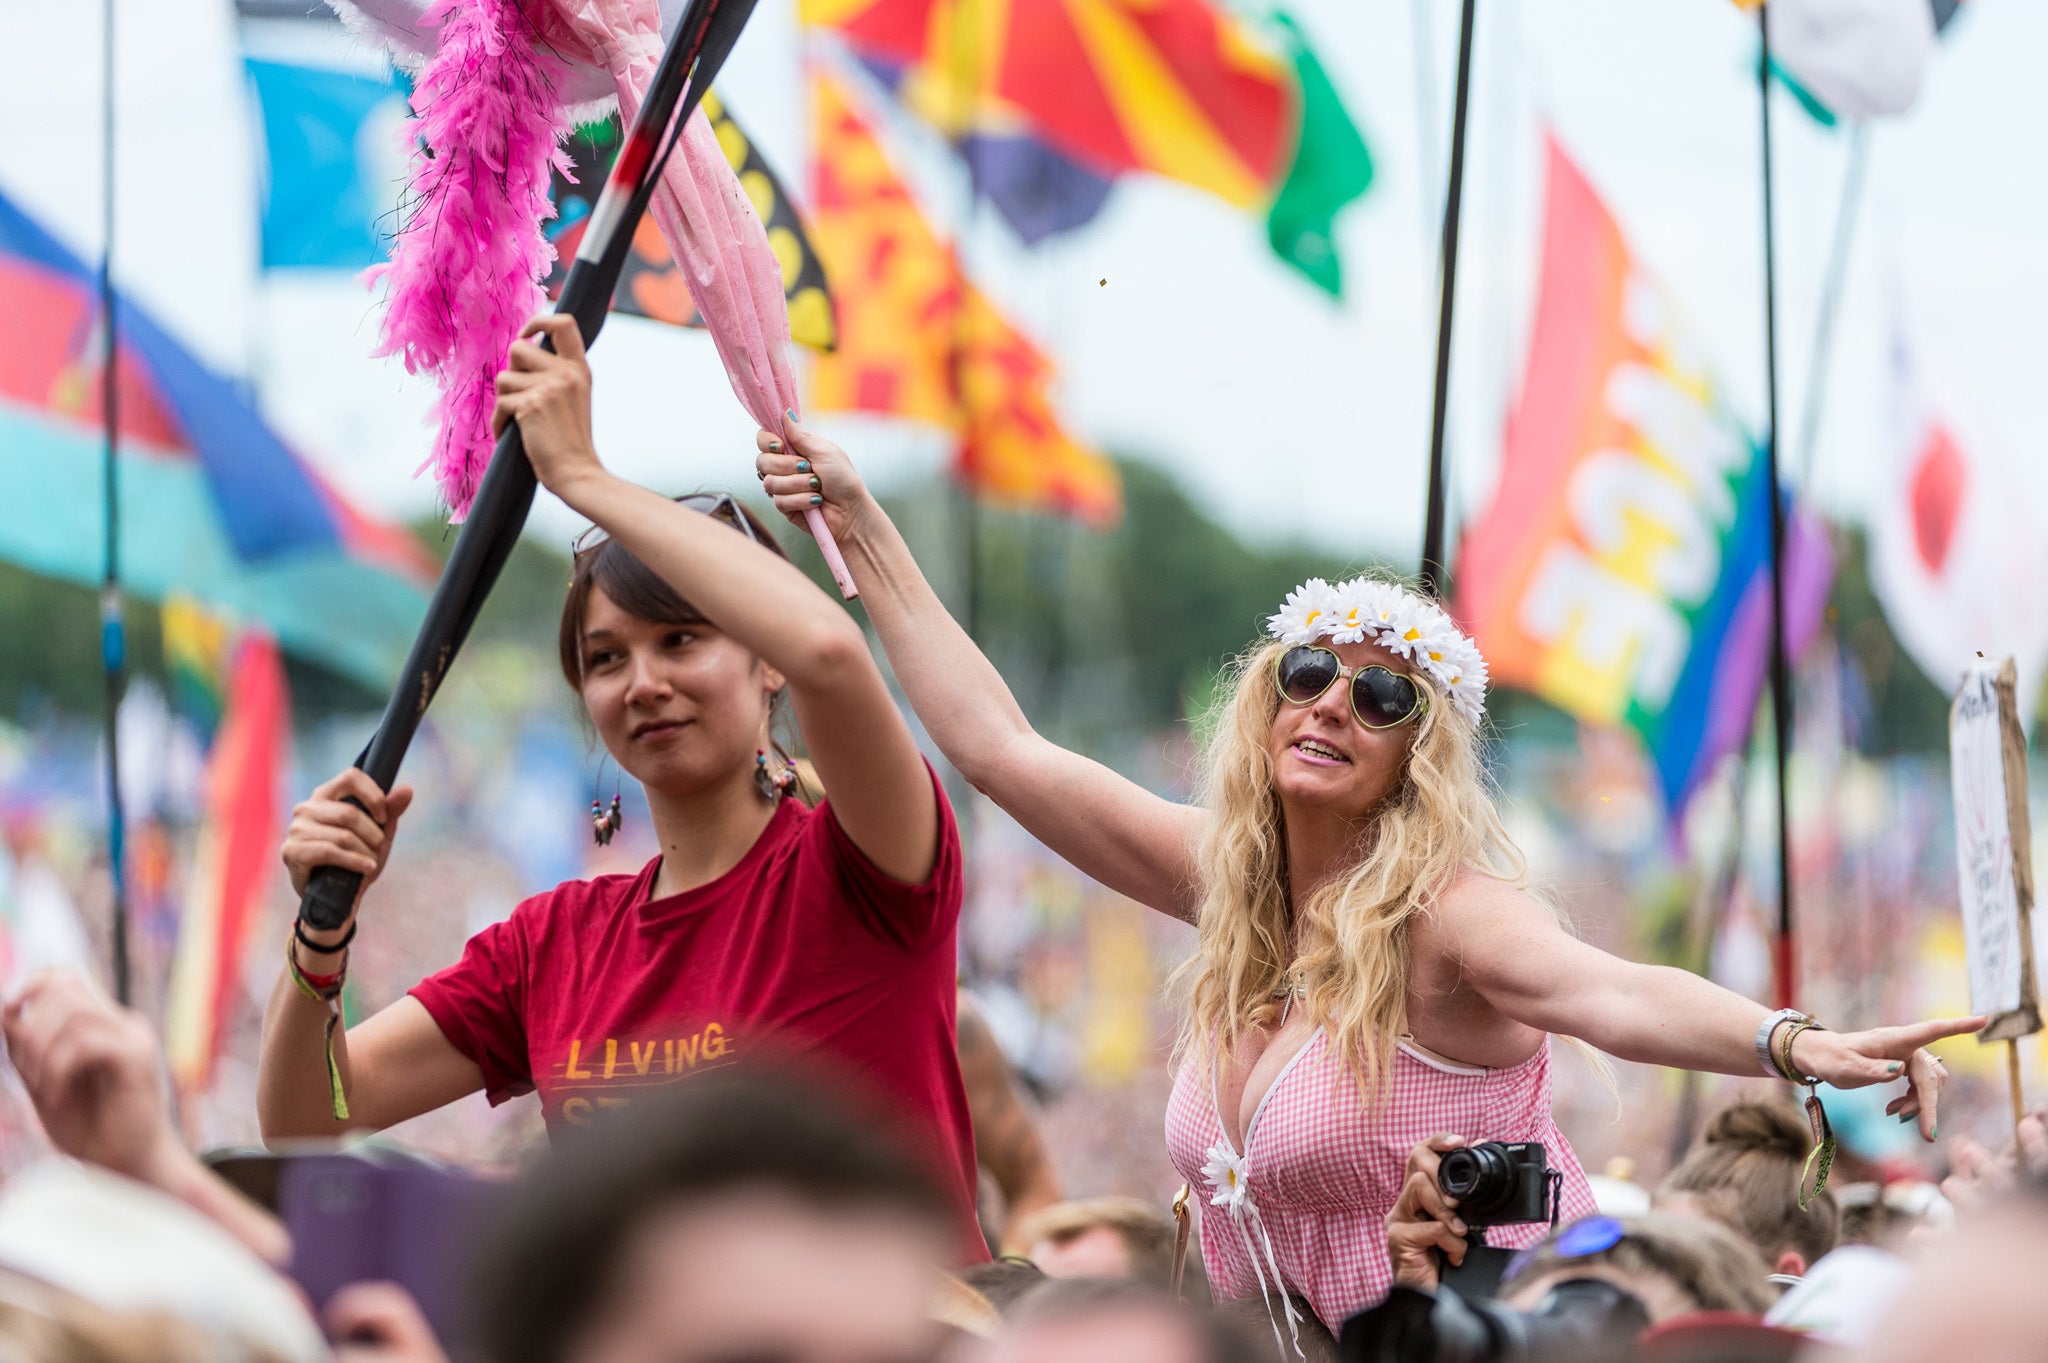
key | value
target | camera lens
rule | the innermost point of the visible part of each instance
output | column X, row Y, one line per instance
column 1479, row 1176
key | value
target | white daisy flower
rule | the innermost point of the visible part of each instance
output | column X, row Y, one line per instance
column 1396, row 618
column 1308, row 613
column 1355, row 613
column 1228, row 1175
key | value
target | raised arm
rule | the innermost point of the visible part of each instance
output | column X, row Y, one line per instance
column 393, row 1065
column 1111, row 828
column 859, row 741
column 1517, row 956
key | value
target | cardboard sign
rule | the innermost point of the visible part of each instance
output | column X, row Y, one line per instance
column 1994, row 856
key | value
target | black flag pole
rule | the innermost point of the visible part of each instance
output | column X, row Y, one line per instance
column 703, row 38
column 1784, row 958
column 1434, row 578
column 113, row 643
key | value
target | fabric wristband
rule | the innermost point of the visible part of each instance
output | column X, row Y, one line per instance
column 328, row 997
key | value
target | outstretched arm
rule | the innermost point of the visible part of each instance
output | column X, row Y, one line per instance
column 1111, row 828
column 858, row 739
column 1517, row 956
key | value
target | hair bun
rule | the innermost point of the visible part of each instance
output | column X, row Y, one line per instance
column 1764, row 1127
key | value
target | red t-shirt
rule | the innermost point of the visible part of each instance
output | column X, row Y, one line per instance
column 592, row 991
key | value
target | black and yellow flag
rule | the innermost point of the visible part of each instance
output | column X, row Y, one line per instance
column 651, row 285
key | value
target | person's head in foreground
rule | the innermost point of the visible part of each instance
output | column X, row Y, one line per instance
column 1745, row 1173
column 1675, row 1265
column 1108, row 1320
column 1361, row 715
column 679, row 705
column 1975, row 1293
column 1101, row 1237
column 726, row 1219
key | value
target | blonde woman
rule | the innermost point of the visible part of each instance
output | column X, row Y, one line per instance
column 1370, row 971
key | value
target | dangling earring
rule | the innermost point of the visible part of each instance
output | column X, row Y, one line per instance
column 605, row 822
column 772, row 785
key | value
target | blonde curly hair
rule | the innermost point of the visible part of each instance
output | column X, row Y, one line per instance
column 1439, row 821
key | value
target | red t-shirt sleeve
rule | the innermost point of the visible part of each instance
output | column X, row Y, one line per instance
column 907, row 915
column 477, row 1003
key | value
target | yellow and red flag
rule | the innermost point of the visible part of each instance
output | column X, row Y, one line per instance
column 1175, row 87
column 920, row 342
column 237, row 854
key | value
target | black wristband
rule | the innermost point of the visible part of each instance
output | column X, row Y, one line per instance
column 299, row 933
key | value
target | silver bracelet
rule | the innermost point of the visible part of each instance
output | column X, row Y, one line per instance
column 1765, row 1030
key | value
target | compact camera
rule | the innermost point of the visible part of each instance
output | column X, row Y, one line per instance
column 1499, row 1184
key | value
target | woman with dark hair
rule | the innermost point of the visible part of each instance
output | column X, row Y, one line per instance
column 762, row 923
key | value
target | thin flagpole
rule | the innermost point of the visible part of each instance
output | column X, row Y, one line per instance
column 113, row 646
column 1846, row 215
column 1784, row 956
column 1434, row 579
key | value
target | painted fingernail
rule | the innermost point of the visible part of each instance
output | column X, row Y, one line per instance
column 816, row 500
column 1893, row 1068
column 775, row 447
column 1905, row 1117
column 789, row 412
column 803, row 466
column 1933, row 1132
column 816, row 486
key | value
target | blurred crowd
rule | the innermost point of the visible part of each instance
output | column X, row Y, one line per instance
column 752, row 1217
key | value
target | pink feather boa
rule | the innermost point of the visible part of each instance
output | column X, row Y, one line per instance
column 466, row 268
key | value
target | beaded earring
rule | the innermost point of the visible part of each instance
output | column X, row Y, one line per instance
column 606, row 822
column 773, row 785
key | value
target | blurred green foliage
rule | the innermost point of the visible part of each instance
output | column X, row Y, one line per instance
column 1105, row 637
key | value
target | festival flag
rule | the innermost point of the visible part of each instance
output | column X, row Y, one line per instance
column 917, row 341
column 330, row 171
column 1950, row 539
column 236, row 856
column 1622, row 571
column 651, row 285
column 1854, row 59
column 196, row 657
column 213, row 502
column 1052, row 100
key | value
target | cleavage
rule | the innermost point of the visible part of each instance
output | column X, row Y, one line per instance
column 1252, row 1070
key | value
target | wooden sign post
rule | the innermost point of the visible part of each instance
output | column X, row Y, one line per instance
column 1994, row 858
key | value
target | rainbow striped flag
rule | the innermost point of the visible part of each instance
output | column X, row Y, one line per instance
column 1622, row 571
column 236, row 857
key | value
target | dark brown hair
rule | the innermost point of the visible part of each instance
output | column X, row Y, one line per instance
column 1746, row 1171
column 636, row 589
column 540, row 1278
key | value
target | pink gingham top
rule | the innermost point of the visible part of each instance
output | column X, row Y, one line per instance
column 1321, row 1173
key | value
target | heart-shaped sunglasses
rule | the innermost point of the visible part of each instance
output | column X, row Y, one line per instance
column 1381, row 698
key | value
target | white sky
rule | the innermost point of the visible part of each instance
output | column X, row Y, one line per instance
column 1290, row 415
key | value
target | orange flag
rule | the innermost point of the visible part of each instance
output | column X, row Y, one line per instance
column 918, row 341
column 236, row 858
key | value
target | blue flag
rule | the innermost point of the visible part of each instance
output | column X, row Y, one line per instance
column 323, row 195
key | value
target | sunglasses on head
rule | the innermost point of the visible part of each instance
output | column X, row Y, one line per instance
column 1381, row 698
column 720, row 506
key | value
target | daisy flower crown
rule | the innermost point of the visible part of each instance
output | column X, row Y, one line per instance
column 1395, row 618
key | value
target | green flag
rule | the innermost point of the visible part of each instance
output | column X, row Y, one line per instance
column 1332, row 166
